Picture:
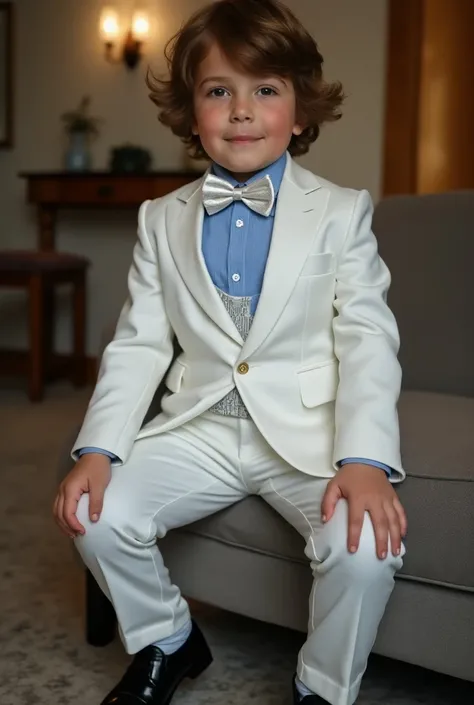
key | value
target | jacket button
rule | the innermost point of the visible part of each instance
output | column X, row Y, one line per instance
column 243, row 368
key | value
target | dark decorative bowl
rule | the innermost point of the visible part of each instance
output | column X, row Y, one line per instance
column 130, row 160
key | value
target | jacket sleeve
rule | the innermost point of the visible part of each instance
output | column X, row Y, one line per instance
column 366, row 345
column 136, row 360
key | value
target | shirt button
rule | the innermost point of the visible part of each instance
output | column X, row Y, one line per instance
column 243, row 368
column 239, row 223
column 236, row 277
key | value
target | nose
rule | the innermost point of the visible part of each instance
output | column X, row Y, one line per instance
column 241, row 110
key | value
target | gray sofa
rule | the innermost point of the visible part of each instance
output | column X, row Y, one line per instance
column 247, row 560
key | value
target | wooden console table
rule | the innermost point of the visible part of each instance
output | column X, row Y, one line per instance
column 52, row 191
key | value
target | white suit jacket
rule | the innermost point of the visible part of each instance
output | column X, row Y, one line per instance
column 318, row 372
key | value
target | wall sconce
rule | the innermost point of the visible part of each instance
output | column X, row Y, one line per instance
column 138, row 31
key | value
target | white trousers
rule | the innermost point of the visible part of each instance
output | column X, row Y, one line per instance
column 210, row 463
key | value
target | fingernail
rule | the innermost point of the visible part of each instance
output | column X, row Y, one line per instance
column 353, row 549
column 398, row 551
column 95, row 517
column 384, row 554
column 324, row 517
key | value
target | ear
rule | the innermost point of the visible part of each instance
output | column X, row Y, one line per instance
column 297, row 129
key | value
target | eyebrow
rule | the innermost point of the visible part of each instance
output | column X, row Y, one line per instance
column 225, row 79
column 215, row 79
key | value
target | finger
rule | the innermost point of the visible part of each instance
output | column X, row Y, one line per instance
column 60, row 520
column 56, row 515
column 96, row 501
column 69, row 514
column 356, row 520
column 380, row 524
column 394, row 529
column 331, row 497
column 401, row 516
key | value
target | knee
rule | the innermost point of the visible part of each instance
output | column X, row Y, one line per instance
column 101, row 535
column 364, row 566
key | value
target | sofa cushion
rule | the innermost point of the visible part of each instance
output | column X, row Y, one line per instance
column 438, row 496
column 426, row 241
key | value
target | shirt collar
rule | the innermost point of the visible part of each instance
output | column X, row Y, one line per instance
column 275, row 171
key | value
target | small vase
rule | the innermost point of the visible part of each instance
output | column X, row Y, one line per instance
column 78, row 157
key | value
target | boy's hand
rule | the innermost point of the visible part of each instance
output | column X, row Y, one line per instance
column 367, row 489
column 91, row 474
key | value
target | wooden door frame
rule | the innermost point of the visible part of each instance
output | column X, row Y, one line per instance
column 402, row 92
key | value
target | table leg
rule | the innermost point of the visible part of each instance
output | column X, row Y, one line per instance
column 46, row 227
column 37, row 347
column 79, row 317
column 49, row 308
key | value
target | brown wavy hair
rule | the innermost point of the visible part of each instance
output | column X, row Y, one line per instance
column 260, row 38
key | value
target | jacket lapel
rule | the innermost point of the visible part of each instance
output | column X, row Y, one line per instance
column 184, row 231
column 300, row 207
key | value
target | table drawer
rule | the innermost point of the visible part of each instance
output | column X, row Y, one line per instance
column 100, row 192
column 103, row 191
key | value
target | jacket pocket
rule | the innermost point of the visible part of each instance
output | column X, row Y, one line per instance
column 320, row 264
column 175, row 377
column 318, row 385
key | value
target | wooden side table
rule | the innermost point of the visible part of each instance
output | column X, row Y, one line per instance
column 55, row 191
column 39, row 273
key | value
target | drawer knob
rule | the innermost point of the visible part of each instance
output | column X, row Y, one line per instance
column 105, row 191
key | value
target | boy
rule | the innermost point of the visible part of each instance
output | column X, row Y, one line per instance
column 288, row 379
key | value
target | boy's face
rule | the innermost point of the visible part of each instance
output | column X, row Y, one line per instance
column 244, row 122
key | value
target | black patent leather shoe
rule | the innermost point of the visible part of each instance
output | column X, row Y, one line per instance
column 152, row 677
column 308, row 699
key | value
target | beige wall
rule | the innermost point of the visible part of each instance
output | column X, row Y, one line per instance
column 59, row 58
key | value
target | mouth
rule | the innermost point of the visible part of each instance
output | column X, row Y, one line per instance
column 243, row 139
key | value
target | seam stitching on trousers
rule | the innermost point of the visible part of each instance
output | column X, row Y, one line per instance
column 160, row 584
column 151, row 535
column 177, row 499
column 310, row 538
column 243, row 478
column 239, row 459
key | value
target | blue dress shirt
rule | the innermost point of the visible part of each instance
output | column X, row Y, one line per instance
column 235, row 246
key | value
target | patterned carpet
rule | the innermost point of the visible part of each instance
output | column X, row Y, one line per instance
column 44, row 659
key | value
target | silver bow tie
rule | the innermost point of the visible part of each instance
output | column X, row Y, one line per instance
column 217, row 194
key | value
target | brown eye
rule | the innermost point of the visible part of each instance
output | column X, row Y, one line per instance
column 217, row 92
column 267, row 91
